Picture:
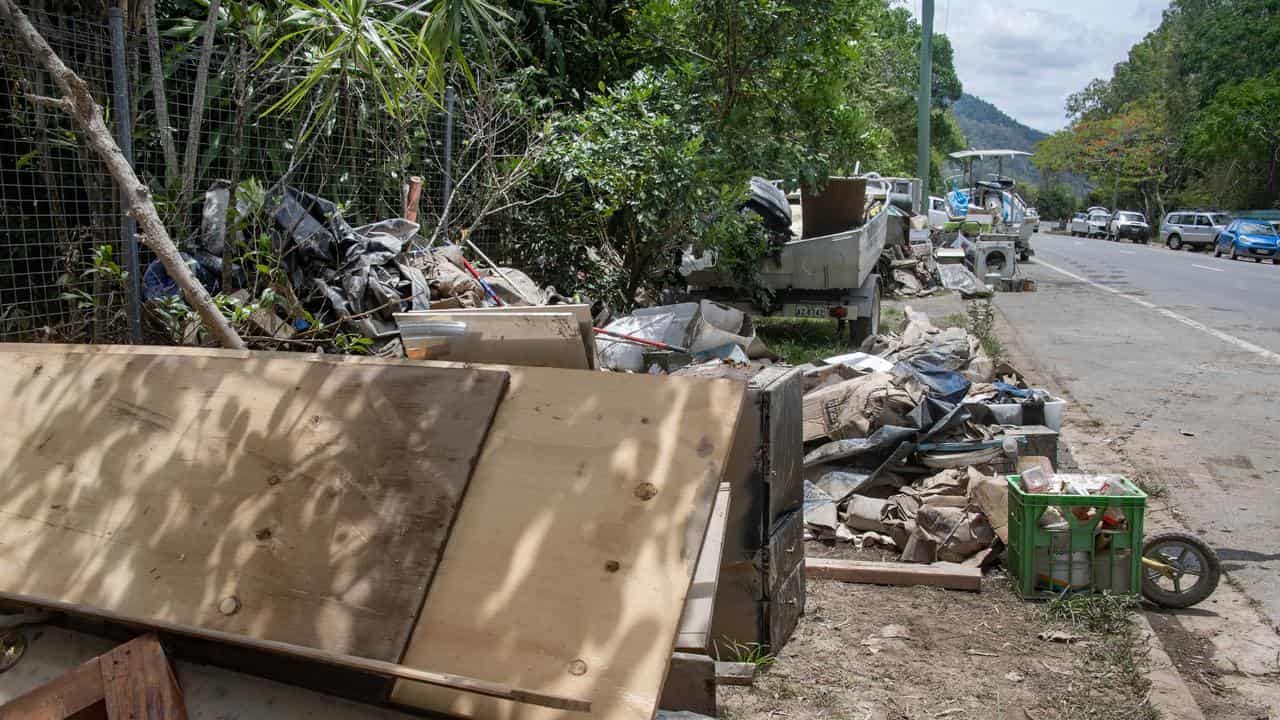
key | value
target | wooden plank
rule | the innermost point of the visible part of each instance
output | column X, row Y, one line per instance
column 946, row 575
column 694, row 633
column 735, row 673
column 61, row 698
column 570, row 562
column 581, row 313
column 691, row 685
column 138, row 683
column 531, row 339
column 158, row 484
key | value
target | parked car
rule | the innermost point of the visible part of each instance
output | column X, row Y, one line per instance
column 1032, row 216
column 1255, row 239
column 1129, row 224
column 1078, row 225
column 1097, row 225
column 1192, row 228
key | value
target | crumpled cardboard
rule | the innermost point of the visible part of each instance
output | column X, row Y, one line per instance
column 855, row 408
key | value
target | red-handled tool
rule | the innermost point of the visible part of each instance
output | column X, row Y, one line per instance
column 642, row 341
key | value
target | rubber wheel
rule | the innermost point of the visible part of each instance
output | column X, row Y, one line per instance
column 1234, row 256
column 864, row 327
column 1024, row 256
column 1275, row 261
column 1175, row 242
column 1190, row 556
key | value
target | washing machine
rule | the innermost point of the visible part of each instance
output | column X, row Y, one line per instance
column 995, row 258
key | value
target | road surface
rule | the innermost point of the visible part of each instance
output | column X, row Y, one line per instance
column 1176, row 357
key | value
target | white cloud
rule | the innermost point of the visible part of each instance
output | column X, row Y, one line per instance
column 1026, row 56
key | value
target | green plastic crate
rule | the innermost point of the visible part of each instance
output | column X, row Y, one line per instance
column 1081, row 558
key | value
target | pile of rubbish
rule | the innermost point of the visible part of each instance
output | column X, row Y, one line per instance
column 903, row 448
column 326, row 273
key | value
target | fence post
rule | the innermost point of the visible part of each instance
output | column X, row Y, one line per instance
column 447, row 170
column 124, row 136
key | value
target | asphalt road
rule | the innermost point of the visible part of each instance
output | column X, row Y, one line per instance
column 1176, row 355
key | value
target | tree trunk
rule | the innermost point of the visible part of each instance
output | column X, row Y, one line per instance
column 78, row 102
column 159, row 95
column 197, row 114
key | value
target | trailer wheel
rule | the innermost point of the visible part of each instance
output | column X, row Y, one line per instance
column 864, row 327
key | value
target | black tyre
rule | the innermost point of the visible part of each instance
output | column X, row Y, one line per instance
column 1024, row 256
column 1234, row 254
column 1175, row 242
column 1275, row 261
column 1190, row 557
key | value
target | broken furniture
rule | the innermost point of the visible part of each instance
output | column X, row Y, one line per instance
column 130, row 682
column 567, row 564
column 761, row 593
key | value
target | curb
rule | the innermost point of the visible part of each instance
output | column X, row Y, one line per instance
column 1169, row 694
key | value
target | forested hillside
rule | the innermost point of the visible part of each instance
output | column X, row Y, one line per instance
column 1189, row 118
column 986, row 127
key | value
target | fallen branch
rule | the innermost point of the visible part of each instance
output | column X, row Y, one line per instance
column 78, row 102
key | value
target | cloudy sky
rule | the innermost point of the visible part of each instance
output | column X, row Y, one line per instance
column 1026, row 56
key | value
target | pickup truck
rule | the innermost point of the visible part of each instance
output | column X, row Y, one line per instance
column 1127, row 224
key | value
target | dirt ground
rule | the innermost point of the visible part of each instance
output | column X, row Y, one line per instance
column 865, row 652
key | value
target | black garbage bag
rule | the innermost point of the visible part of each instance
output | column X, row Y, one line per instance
column 340, row 272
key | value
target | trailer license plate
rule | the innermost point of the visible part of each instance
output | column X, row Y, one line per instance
column 812, row 311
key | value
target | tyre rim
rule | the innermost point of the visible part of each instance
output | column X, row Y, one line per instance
column 1185, row 562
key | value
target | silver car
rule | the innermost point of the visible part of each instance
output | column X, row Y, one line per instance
column 1192, row 228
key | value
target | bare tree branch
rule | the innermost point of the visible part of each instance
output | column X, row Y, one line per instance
column 82, row 108
column 197, row 112
column 159, row 95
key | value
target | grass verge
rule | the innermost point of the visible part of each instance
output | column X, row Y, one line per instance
column 801, row 340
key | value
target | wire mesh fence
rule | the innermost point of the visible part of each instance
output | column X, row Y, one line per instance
column 61, row 246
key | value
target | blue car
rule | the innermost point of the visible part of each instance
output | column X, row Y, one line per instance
column 1244, row 237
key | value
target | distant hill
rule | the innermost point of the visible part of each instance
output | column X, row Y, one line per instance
column 987, row 127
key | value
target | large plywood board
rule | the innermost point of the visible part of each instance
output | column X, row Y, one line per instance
column 571, row 560
column 158, row 483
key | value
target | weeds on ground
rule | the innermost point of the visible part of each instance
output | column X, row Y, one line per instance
column 752, row 653
column 981, row 324
column 1154, row 487
column 1101, row 613
column 1110, row 658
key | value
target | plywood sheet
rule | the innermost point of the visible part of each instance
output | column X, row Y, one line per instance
column 572, row 557
column 156, row 483
column 534, row 339
column 581, row 313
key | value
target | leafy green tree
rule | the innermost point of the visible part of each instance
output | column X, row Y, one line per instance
column 1243, row 124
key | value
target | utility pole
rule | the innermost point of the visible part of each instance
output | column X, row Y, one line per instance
column 925, row 96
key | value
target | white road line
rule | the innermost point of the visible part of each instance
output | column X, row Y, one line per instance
column 1206, row 267
column 1127, row 252
column 1224, row 337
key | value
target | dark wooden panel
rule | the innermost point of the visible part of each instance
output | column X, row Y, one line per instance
column 282, row 497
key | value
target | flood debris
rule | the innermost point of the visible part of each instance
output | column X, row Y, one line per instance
column 904, row 449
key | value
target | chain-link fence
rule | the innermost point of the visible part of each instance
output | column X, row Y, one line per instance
column 63, row 246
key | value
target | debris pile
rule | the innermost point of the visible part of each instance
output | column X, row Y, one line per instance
column 903, row 445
